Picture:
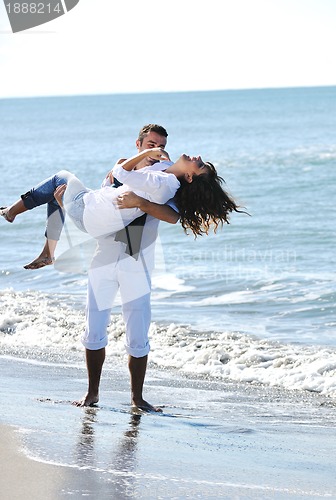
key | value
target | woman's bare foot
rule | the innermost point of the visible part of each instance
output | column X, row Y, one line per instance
column 87, row 400
column 46, row 257
column 40, row 262
column 4, row 212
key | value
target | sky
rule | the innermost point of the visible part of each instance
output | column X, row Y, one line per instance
column 128, row 46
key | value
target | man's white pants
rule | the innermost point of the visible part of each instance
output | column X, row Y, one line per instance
column 104, row 281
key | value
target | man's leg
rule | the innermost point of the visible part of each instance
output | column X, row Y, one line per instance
column 136, row 309
column 101, row 292
column 94, row 365
column 137, row 368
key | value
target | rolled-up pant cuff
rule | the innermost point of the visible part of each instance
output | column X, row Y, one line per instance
column 28, row 200
column 137, row 352
column 95, row 346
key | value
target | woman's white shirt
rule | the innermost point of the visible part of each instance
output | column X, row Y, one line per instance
column 101, row 214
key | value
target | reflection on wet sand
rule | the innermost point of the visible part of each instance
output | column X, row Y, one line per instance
column 85, row 445
column 123, row 458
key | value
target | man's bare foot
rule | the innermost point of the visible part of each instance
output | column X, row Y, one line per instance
column 87, row 400
column 40, row 262
column 4, row 212
column 144, row 406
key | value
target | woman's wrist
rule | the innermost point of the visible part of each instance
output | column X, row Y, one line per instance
column 130, row 163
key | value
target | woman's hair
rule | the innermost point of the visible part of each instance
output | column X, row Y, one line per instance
column 204, row 203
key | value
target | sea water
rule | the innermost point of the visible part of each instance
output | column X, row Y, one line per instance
column 254, row 302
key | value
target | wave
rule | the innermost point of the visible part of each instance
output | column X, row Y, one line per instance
column 33, row 321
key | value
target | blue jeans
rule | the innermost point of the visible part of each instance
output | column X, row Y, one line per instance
column 43, row 194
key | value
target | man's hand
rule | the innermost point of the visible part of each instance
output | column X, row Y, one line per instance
column 129, row 200
column 58, row 194
column 161, row 212
column 109, row 179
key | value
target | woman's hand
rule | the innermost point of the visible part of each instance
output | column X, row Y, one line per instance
column 58, row 194
column 129, row 200
column 157, row 154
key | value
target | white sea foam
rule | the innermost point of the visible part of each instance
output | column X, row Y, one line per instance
column 242, row 358
column 168, row 281
column 32, row 319
column 229, row 298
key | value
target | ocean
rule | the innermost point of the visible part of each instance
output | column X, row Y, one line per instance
column 254, row 302
column 243, row 344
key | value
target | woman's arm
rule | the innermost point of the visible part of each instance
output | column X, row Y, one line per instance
column 155, row 153
column 129, row 163
column 154, row 185
column 161, row 212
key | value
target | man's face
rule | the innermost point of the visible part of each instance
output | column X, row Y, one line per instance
column 152, row 140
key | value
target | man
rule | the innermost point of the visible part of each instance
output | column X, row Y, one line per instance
column 113, row 269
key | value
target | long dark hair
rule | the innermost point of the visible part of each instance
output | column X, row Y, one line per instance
column 204, row 203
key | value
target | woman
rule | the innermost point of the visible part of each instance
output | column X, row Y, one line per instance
column 194, row 185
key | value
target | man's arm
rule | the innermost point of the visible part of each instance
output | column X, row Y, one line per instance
column 161, row 212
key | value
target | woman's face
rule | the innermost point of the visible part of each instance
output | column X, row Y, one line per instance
column 193, row 165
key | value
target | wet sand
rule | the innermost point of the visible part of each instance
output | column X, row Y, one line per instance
column 23, row 478
column 212, row 440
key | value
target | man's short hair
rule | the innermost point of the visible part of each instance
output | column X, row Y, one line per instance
column 152, row 127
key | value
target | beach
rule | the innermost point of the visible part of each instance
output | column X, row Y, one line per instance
column 212, row 439
column 243, row 346
column 22, row 477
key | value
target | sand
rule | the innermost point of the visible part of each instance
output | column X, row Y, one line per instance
column 212, row 440
column 22, row 478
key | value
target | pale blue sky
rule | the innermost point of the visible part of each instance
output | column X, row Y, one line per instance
column 107, row 46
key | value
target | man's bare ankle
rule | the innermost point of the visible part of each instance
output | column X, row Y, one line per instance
column 143, row 405
column 90, row 399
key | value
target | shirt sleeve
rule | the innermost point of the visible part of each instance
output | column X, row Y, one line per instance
column 106, row 182
column 160, row 186
column 171, row 203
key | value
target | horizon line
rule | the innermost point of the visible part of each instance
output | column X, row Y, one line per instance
column 98, row 94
